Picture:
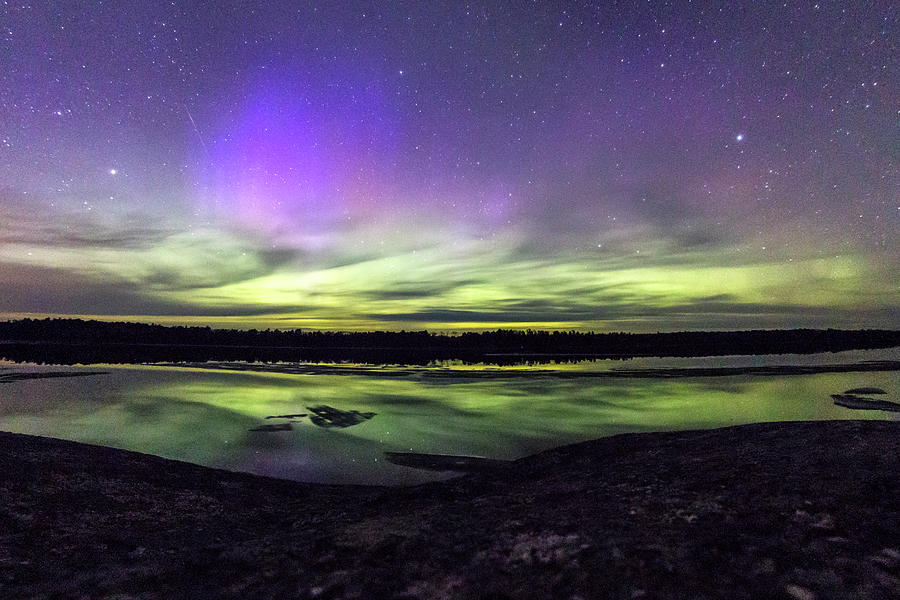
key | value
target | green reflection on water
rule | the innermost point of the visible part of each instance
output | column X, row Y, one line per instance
column 205, row 416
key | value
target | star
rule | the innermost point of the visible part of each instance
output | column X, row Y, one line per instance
column 501, row 153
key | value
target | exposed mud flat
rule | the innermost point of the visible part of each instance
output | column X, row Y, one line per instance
column 802, row 510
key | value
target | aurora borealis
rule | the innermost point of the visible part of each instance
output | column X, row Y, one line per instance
column 451, row 166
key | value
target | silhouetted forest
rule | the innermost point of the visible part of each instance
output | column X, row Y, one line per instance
column 70, row 341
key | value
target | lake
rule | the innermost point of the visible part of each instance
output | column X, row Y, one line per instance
column 215, row 414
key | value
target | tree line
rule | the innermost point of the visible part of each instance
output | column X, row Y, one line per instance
column 83, row 341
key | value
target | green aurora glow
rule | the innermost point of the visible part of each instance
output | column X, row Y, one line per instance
column 650, row 168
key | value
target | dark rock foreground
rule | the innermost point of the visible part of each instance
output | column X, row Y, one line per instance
column 782, row 510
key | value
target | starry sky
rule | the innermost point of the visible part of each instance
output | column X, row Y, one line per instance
column 635, row 166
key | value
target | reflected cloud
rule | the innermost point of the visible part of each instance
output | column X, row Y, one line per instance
column 273, row 428
column 445, row 462
column 293, row 416
column 217, row 418
column 329, row 417
column 856, row 402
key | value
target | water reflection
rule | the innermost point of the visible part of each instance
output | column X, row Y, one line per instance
column 275, row 427
column 323, row 416
column 856, row 402
column 217, row 417
column 328, row 416
column 865, row 390
column 20, row 375
column 294, row 416
column 444, row 462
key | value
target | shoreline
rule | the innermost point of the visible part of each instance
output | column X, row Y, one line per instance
column 392, row 371
column 795, row 509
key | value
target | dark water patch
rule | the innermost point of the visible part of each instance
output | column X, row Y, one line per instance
column 865, row 390
column 273, row 428
column 144, row 410
column 398, row 400
column 292, row 416
column 445, row 376
column 295, row 368
column 775, row 370
column 862, row 403
column 19, row 376
column 329, row 417
column 417, row 403
column 444, row 462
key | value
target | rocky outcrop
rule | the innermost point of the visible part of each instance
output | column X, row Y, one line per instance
column 861, row 403
column 790, row 510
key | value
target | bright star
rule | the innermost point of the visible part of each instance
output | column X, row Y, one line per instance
column 113, row 171
column 740, row 137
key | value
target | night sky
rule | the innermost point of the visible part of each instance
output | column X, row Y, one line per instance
column 406, row 165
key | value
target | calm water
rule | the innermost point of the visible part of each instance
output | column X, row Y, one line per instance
column 206, row 415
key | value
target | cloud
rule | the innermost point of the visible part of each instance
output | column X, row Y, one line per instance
column 35, row 289
column 641, row 275
column 708, row 315
column 116, row 246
